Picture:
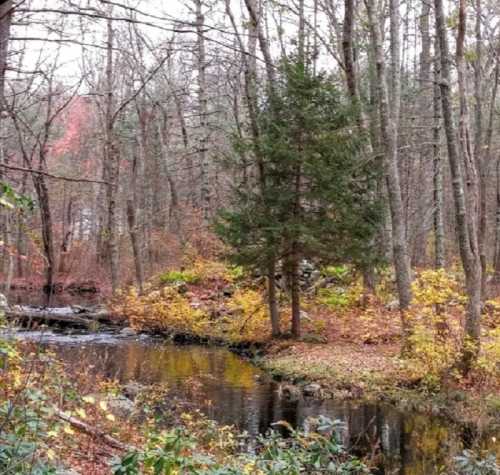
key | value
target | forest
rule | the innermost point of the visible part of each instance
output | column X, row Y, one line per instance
column 250, row 237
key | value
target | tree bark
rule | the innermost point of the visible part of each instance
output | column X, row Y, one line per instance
column 205, row 195
column 111, row 165
column 464, row 220
column 272, row 298
column 6, row 9
column 439, row 250
column 389, row 139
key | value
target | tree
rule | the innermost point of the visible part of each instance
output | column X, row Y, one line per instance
column 389, row 136
column 317, row 191
column 465, row 221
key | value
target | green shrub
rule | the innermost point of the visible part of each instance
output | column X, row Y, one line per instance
column 341, row 274
column 179, row 277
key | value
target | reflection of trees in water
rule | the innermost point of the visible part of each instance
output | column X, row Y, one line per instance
column 234, row 392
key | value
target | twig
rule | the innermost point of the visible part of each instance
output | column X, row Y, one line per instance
column 94, row 432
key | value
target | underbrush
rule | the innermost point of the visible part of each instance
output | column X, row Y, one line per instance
column 200, row 447
column 206, row 299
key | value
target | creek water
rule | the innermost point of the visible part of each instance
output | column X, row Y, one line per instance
column 230, row 390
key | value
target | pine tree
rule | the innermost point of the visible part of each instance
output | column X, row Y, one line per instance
column 317, row 200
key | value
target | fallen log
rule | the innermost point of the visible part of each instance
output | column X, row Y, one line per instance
column 94, row 432
column 69, row 317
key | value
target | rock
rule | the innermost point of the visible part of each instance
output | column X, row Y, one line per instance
column 4, row 304
column 228, row 291
column 120, row 405
column 312, row 389
column 101, row 311
column 79, row 309
column 133, row 389
column 181, row 288
column 290, row 392
column 393, row 306
column 305, row 316
column 128, row 331
column 196, row 304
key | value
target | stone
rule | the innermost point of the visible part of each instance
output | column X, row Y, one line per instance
column 4, row 304
column 120, row 405
column 228, row 291
column 311, row 389
column 128, row 331
column 133, row 389
column 393, row 306
column 79, row 309
column 290, row 392
column 181, row 288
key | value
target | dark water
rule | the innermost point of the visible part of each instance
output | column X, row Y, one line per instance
column 232, row 391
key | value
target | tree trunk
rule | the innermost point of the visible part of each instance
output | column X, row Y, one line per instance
column 272, row 298
column 111, row 165
column 66, row 233
column 5, row 22
column 47, row 235
column 389, row 138
column 205, row 196
column 439, row 251
column 295, row 291
column 480, row 157
column 464, row 221
column 134, row 239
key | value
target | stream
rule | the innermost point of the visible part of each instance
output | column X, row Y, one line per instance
column 230, row 390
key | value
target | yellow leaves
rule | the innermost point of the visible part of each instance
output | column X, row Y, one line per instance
column 250, row 320
column 436, row 287
column 110, row 417
column 51, row 455
column 81, row 413
column 103, row 405
column 88, row 399
column 489, row 359
column 53, row 433
column 68, row 430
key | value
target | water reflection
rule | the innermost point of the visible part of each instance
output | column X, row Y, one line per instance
column 232, row 391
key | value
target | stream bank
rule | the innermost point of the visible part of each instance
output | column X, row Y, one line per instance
column 232, row 391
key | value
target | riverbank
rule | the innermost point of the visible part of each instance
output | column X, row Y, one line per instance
column 350, row 346
column 158, row 388
column 376, row 373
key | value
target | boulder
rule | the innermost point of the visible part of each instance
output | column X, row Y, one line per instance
column 120, row 405
column 312, row 389
column 290, row 392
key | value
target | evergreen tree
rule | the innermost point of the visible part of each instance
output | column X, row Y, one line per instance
column 316, row 201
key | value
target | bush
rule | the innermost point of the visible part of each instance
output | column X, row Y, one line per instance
column 161, row 310
column 179, row 277
column 341, row 298
column 184, row 450
column 249, row 320
column 435, row 335
column 341, row 273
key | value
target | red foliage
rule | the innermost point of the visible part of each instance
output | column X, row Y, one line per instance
column 75, row 121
